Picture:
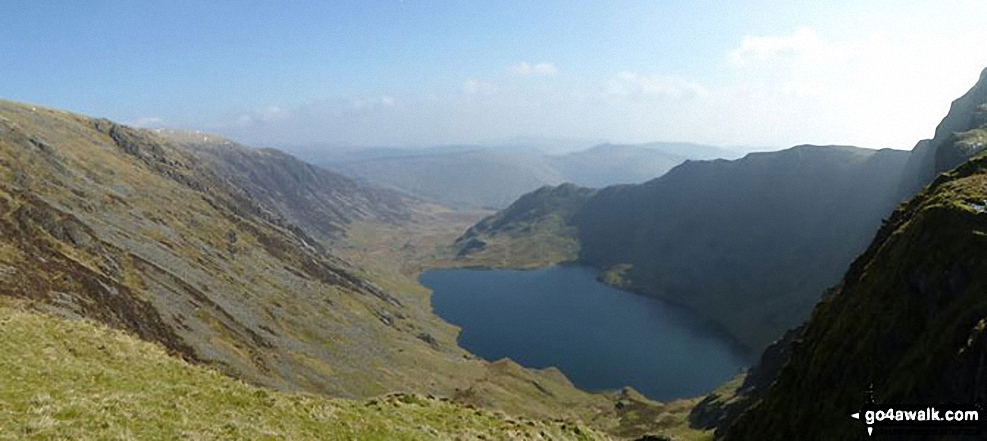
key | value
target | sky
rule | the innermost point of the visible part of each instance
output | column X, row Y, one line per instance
column 775, row 73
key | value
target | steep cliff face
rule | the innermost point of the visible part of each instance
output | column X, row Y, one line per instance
column 315, row 199
column 750, row 244
column 953, row 143
column 909, row 319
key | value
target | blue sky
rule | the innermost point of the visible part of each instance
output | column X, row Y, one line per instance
column 764, row 72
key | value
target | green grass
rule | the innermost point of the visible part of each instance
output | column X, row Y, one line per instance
column 79, row 380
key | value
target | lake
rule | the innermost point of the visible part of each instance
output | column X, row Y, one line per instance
column 602, row 338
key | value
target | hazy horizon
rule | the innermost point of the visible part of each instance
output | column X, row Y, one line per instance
column 425, row 73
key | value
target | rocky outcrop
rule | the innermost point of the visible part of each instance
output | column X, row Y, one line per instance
column 947, row 149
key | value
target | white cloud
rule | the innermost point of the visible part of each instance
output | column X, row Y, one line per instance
column 631, row 85
column 262, row 116
column 804, row 42
column 151, row 122
column 883, row 89
column 272, row 112
column 372, row 102
column 523, row 69
column 477, row 87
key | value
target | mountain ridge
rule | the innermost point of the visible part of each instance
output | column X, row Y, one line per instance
column 473, row 177
column 757, row 222
column 913, row 307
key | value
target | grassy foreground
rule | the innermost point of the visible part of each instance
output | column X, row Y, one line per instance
column 80, row 380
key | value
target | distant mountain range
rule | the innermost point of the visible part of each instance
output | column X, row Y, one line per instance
column 494, row 176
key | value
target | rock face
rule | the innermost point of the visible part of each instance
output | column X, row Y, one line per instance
column 315, row 199
column 123, row 226
column 955, row 141
column 750, row 244
column 909, row 319
column 910, row 314
column 717, row 412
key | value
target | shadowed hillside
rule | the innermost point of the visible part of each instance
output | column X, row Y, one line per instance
column 749, row 244
column 907, row 319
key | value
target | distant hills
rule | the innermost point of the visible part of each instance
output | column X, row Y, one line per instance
column 493, row 177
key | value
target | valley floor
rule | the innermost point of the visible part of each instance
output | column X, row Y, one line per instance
column 396, row 255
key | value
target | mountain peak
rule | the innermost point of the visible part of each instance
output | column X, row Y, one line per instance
column 950, row 146
column 963, row 110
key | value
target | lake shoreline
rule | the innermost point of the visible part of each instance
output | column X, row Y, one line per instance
column 618, row 319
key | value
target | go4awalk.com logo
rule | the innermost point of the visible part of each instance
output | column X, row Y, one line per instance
column 927, row 419
column 965, row 419
column 954, row 419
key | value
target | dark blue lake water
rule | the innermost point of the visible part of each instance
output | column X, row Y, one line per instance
column 600, row 337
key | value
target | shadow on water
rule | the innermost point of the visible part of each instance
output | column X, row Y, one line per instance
column 602, row 338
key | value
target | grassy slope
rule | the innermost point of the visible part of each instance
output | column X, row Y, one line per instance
column 80, row 380
column 535, row 231
column 145, row 240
